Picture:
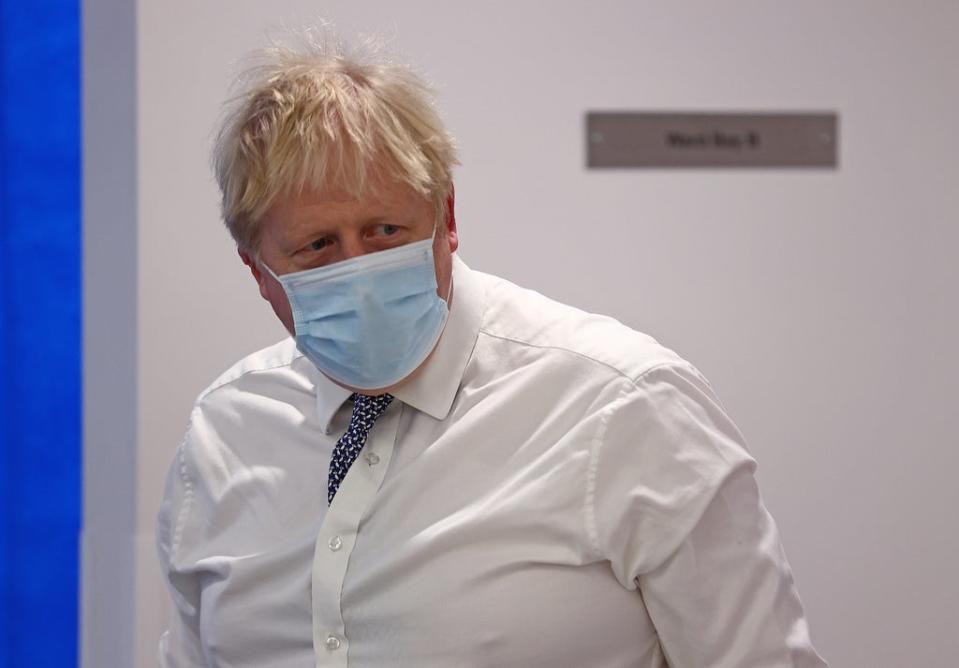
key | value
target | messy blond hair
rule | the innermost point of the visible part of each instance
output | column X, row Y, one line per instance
column 318, row 116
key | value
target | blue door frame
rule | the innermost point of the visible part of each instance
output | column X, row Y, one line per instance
column 40, row 332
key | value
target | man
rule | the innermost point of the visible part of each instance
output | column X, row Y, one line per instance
column 440, row 468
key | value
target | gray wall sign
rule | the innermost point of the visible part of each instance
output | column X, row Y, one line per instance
column 662, row 139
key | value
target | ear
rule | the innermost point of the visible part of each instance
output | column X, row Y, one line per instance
column 258, row 275
column 451, row 220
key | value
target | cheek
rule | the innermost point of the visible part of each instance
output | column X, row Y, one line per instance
column 281, row 306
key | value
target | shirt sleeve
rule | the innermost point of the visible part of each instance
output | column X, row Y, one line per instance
column 678, row 514
column 180, row 645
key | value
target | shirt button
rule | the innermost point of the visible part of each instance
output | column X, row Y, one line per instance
column 372, row 459
column 336, row 543
column 332, row 643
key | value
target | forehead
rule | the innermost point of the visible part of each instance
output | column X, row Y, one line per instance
column 336, row 207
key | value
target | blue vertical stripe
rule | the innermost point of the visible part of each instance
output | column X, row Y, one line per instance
column 40, row 346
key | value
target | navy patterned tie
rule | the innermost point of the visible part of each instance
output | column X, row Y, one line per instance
column 365, row 411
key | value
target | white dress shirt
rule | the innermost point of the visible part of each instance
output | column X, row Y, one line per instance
column 553, row 489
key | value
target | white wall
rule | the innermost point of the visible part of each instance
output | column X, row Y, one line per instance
column 821, row 304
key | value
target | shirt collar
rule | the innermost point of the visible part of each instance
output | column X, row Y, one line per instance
column 434, row 388
column 329, row 397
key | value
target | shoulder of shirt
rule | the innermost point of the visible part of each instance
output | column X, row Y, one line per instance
column 527, row 318
column 275, row 358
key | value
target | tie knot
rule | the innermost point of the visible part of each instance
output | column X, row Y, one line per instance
column 375, row 405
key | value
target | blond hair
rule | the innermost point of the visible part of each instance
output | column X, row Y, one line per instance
column 322, row 116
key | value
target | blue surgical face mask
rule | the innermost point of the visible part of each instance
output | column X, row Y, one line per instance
column 368, row 322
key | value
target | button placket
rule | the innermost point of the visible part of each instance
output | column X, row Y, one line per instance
column 337, row 538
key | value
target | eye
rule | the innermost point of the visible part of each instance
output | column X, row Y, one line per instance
column 386, row 229
column 319, row 244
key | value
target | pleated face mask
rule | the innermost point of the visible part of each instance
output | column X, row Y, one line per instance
column 368, row 322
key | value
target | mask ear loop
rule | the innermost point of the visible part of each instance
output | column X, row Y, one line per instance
column 450, row 223
column 449, row 290
column 264, row 265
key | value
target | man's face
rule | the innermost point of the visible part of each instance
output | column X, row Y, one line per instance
column 318, row 229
